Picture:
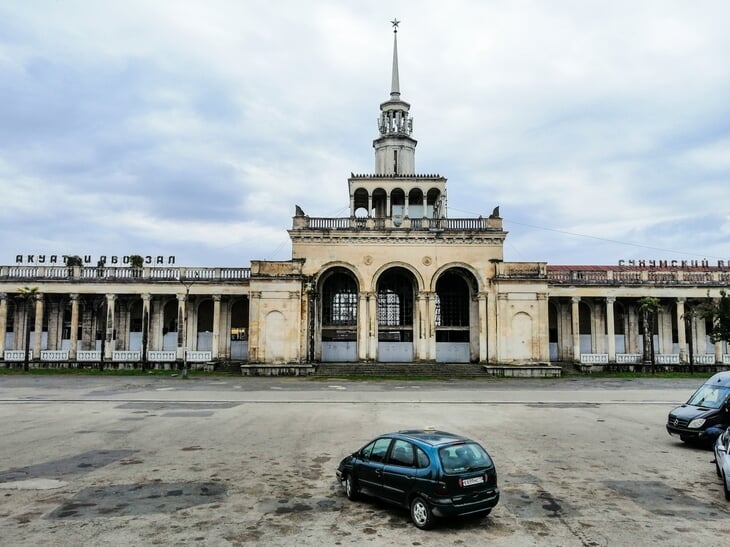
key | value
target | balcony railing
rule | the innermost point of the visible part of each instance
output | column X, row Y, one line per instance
column 564, row 276
column 123, row 274
column 397, row 223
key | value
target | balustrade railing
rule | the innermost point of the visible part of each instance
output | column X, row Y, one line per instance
column 122, row 273
column 416, row 223
column 565, row 276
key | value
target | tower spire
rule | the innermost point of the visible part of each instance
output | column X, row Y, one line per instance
column 395, row 83
column 395, row 148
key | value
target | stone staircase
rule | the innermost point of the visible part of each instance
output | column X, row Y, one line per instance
column 435, row 370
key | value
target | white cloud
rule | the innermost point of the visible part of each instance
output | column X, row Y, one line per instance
column 600, row 128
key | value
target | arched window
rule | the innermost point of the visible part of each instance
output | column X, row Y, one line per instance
column 339, row 301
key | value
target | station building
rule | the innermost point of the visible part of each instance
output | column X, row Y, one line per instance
column 396, row 281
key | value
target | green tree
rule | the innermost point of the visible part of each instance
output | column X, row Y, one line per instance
column 718, row 311
column 136, row 262
column 648, row 307
column 27, row 295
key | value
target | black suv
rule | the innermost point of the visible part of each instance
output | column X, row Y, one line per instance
column 706, row 414
column 433, row 473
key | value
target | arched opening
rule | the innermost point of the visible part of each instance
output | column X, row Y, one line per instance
column 10, row 324
column 169, row 328
column 380, row 203
column 135, row 325
column 453, row 310
column 584, row 327
column 360, row 203
column 433, row 204
column 339, row 296
column 396, row 295
column 553, row 332
column 619, row 327
column 397, row 205
column 205, row 326
column 521, row 342
column 239, row 329
column 415, row 203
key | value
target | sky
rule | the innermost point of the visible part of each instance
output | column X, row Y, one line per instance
column 192, row 129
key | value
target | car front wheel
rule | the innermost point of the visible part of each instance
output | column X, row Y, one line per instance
column 350, row 488
column 421, row 513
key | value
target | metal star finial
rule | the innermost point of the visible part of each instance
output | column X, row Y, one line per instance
column 395, row 24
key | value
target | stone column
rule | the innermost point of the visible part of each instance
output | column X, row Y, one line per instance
column 575, row 322
column 419, row 329
column 216, row 325
column 181, row 325
column 74, row 334
column 38, row 327
column 492, row 328
column 430, row 325
column 405, row 206
column 681, row 334
column 110, row 344
column 362, row 325
column 370, row 205
column 610, row 329
column 146, row 322
column 483, row 334
column 373, row 326
column 3, row 320
column 425, row 205
column 541, row 350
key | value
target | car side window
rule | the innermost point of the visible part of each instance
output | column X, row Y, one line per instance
column 380, row 449
column 401, row 454
column 365, row 452
column 421, row 459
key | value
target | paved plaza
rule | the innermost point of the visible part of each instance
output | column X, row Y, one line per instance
column 250, row 461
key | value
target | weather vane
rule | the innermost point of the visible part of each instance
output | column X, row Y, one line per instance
column 395, row 24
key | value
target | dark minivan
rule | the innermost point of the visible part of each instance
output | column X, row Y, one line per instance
column 703, row 417
column 432, row 473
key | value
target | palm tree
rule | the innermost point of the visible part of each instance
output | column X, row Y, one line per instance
column 27, row 295
column 649, row 307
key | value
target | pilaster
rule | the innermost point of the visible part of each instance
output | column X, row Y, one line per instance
column 74, row 334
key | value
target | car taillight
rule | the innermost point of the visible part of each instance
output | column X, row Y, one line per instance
column 441, row 488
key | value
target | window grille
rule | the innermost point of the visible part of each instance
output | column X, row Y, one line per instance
column 339, row 302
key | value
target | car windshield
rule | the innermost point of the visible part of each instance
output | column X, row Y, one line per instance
column 709, row 396
column 459, row 458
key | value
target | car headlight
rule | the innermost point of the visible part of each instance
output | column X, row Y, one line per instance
column 694, row 424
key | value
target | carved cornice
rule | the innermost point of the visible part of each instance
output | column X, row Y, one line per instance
column 385, row 238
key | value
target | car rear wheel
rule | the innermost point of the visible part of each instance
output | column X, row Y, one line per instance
column 421, row 514
column 351, row 488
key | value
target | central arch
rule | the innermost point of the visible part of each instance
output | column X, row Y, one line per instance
column 396, row 291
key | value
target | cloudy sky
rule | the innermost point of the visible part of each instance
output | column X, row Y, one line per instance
column 601, row 129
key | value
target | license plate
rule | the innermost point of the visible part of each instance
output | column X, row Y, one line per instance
column 474, row 480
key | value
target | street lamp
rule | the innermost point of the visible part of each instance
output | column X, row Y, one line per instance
column 187, row 283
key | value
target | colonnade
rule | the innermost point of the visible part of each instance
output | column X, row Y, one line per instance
column 678, row 330
column 72, row 323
